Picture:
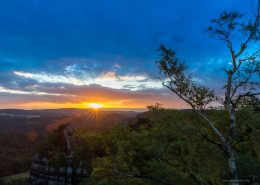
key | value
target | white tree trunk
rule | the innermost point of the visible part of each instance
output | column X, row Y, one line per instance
column 232, row 165
column 233, row 119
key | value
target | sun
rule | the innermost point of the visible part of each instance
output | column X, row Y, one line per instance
column 95, row 105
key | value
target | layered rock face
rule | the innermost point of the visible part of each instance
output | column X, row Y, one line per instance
column 44, row 173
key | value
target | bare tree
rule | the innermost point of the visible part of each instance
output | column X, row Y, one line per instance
column 242, row 77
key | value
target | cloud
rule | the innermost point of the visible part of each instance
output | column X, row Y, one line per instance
column 50, row 78
column 56, row 96
column 108, row 79
column 107, row 76
column 118, row 66
column 133, row 78
column 38, row 93
column 71, row 89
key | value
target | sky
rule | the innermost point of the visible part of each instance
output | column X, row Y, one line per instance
column 69, row 54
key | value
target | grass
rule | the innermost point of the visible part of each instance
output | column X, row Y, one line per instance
column 17, row 179
column 17, row 176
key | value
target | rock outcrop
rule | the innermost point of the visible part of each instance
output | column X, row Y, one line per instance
column 44, row 173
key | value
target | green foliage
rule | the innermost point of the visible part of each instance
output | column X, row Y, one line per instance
column 86, row 146
column 155, row 107
column 251, row 102
column 166, row 148
column 16, row 152
column 164, row 151
column 54, row 147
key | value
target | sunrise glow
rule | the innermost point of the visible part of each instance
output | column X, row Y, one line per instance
column 95, row 105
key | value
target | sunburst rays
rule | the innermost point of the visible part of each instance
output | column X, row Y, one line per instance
column 95, row 116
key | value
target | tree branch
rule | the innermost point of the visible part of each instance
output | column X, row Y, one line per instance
column 248, row 94
column 223, row 139
column 206, row 138
column 250, row 57
column 255, row 25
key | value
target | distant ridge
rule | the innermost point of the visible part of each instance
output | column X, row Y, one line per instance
column 41, row 121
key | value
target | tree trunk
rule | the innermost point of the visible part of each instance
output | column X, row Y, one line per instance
column 232, row 164
column 233, row 118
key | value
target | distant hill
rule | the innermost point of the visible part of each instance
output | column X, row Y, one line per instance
column 40, row 121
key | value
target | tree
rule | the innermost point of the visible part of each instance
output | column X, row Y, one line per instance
column 242, row 78
column 251, row 102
